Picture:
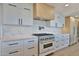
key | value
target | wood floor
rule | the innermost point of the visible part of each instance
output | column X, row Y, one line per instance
column 69, row 51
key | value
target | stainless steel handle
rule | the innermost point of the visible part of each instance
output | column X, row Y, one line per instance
column 26, row 9
column 13, row 52
column 31, row 41
column 31, row 48
column 12, row 5
column 13, row 44
column 21, row 21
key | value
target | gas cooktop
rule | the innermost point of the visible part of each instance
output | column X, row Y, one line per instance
column 41, row 34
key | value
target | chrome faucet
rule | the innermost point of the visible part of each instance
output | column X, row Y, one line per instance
column 41, row 27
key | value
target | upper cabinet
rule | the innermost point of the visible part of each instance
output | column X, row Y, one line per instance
column 17, row 14
column 70, row 25
column 66, row 28
column 43, row 11
column 10, row 14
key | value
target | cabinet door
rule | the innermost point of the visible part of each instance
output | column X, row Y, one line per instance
column 26, row 16
column 10, row 14
column 12, row 44
column 29, row 52
column 12, row 48
column 43, row 11
column 30, row 47
column 12, row 52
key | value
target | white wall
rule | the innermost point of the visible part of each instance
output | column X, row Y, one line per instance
column 0, row 21
column 41, row 23
column 37, row 23
column 59, row 19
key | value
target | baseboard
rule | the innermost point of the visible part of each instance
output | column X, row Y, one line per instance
column 49, row 54
column 73, row 44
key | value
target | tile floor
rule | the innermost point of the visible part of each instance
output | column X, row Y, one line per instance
column 69, row 51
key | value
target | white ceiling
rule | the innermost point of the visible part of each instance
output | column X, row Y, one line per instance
column 71, row 10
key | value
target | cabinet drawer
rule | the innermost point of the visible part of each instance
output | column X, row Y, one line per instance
column 29, row 51
column 12, row 44
column 12, row 52
column 29, row 43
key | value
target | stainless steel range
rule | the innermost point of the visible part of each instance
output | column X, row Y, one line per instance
column 45, row 43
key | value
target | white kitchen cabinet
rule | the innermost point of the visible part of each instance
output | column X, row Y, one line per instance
column 12, row 48
column 12, row 52
column 57, row 45
column 61, row 42
column 26, row 16
column 17, row 14
column 31, row 47
column 23, row 47
column 10, row 14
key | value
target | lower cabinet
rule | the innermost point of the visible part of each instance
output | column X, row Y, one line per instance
column 12, row 52
column 24, row 47
column 57, row 45
column 61, row 43
column 31, row 47
column 12, row 48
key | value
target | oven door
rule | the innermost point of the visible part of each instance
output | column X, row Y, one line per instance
column 45, row 46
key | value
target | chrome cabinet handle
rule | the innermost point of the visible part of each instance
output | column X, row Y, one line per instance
column 31, row 41
column 12, row 5
column 13, row 44
column 21, row 21
column 31, row 48
column 26, row 9
column 13, row 52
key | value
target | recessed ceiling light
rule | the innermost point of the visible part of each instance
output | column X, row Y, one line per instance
column 66, row 5
column 76, row 16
